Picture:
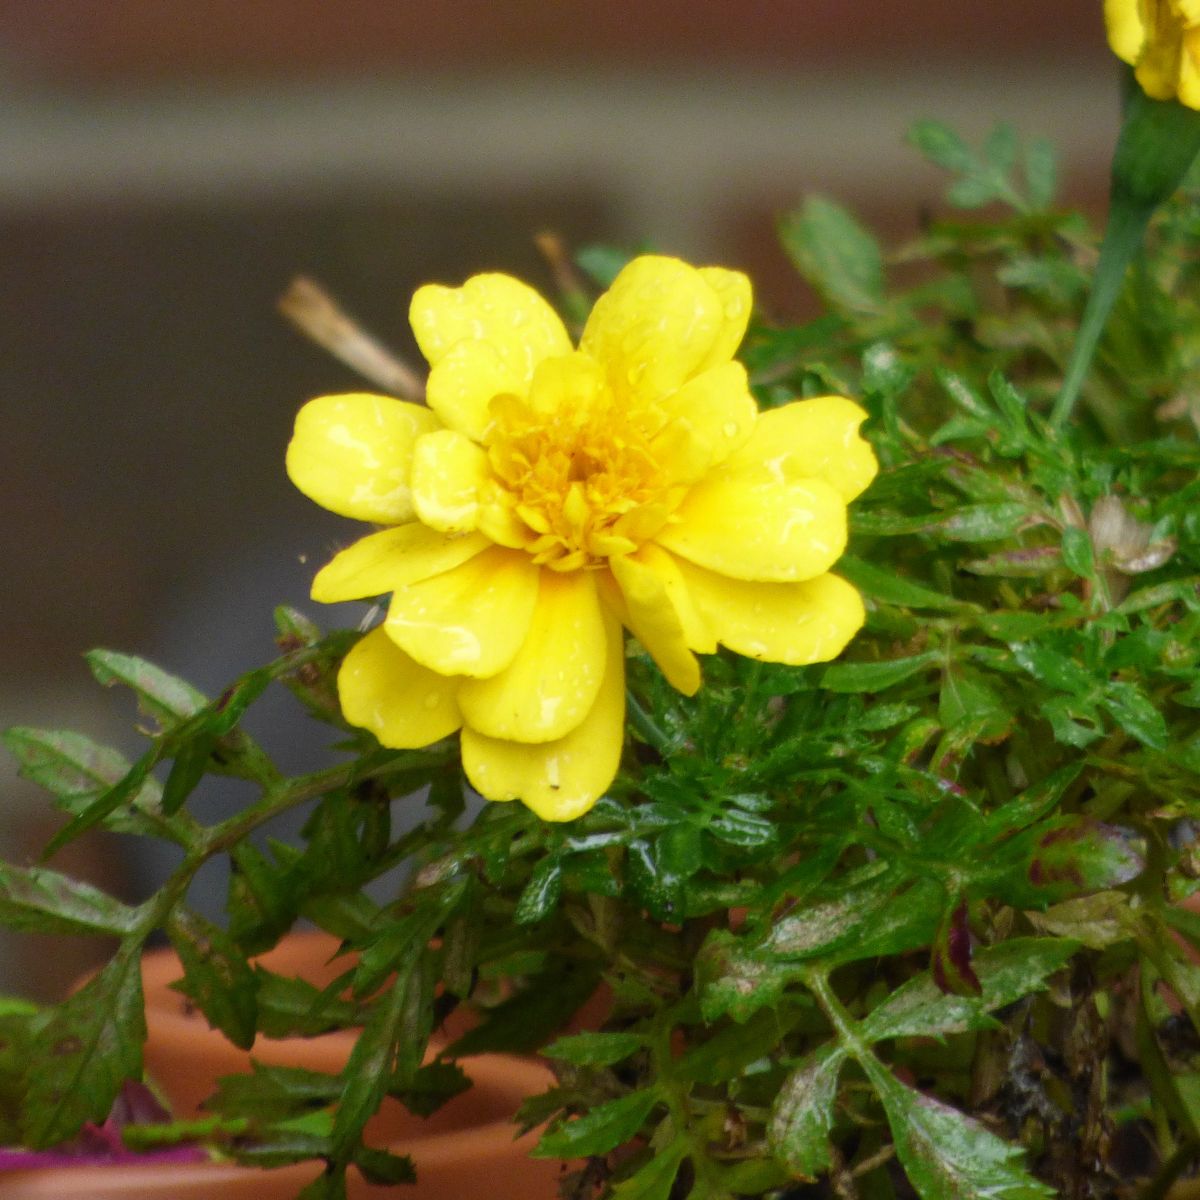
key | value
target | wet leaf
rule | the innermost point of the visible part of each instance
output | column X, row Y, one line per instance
column 654, row 1178
column 1133, row 710
column 946, row 1155
column 735, row 978
column 595, row 1049
column 1007, row 972
column 1077, row 855
column 90, row 1044
column 599, row 1130
column 541, row 894
column 217, row 977
column 78, row 770
column 950, row 961
column 161, row 695
column 876, row 676
column 38, row 900
column 802, row 1114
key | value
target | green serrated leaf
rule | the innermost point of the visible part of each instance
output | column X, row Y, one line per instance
column 541, row 893
column 531, row 1017
column 941, row 145
column 1041, row 173
column 1096, row 921
column 77, row 770
column 38, row 900
column 595, row 1049
column 295, row 1008
column 1000, row 148
column 837, row 255
column 981, row 522
column 372, row 1063
column 886, row 585
column 601, row 1129
column 725, row 1055
column 217, row 977
column 877, row 676
column 431, row 1086
column 1077, row 552
column 966, row 699
column 163, row 696
column 1133, row 710
column 947, row 1155
column 654, row 1179
column 802, row 1114
column 965, row 395
column 919, row 1008
column 1035, row 802
column 89, row 1045
column 974, row 191
column 383, row 1168
column 882, row 916
column 1074, row 856
column 1053, row 669
column 271, row 1093
column 736, row 979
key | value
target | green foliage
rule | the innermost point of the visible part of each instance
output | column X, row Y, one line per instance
column 905, row 923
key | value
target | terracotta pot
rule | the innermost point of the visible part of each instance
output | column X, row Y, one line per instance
column 466, row 1148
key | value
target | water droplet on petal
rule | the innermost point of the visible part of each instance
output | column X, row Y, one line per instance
column 432, row 700
column 730, row 428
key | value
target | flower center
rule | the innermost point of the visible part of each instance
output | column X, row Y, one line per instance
column 578, row 468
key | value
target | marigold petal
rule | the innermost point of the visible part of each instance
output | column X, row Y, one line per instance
column 571, row 381
column 737, row 302
column 499, row 521
column 401, row 702
column 714, row 414
column 750, row 525
column 552, row 683
column 447, row 474
column 812, row 439
column 793, row 623
column 559, row 780
column 1126, row 32
column 390, row 559
column 659, row 324
column 1157, row 71
column 482, row 339
column 653, row 592
column 352, row 454
column 1189, row 69
column 463, row 384
column 471, row 620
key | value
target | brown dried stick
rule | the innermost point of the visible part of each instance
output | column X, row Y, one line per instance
column 316, row 314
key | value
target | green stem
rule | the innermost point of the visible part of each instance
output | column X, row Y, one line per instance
column 275, row 800
column 1126, row 226
column 836, row 1013
column 707, row 1182
column 642, row 721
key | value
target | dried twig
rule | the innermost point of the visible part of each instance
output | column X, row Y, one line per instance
column 316, row 314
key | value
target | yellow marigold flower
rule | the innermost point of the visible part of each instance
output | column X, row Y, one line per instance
column 550, row 495
column 1160, row 39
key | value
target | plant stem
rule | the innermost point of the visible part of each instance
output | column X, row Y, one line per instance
column 1126, row 226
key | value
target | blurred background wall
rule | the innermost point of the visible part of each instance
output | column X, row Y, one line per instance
column 167, row 166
